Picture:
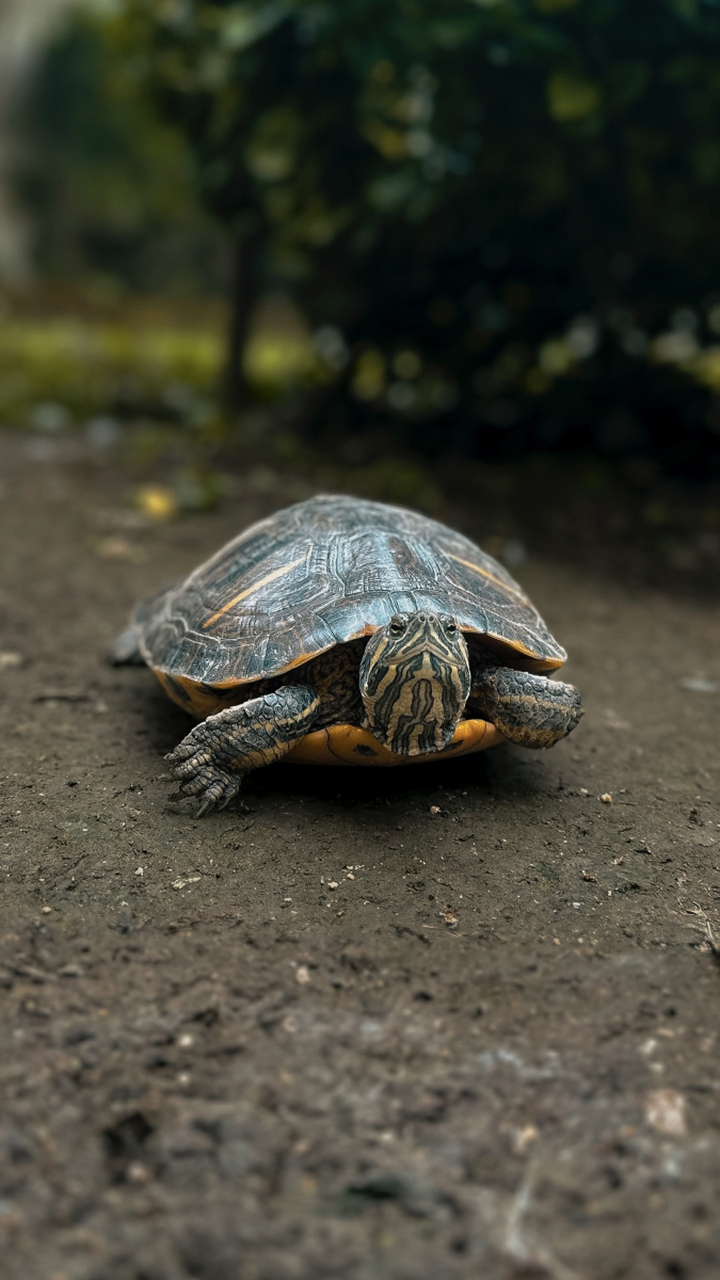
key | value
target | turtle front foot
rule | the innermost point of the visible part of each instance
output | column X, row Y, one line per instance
column 529, row 710
column 200, row 773
column 212, row 760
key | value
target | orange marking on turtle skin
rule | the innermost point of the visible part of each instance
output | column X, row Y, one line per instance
column 242, row 595
column 485, row 573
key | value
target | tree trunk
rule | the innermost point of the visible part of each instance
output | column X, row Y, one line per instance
column 244, row 293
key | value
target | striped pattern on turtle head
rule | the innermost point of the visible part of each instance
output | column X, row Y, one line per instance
column 415, row 681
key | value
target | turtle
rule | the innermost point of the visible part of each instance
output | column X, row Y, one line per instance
column 347, row 631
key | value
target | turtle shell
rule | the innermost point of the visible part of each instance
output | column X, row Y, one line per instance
column 321, row 573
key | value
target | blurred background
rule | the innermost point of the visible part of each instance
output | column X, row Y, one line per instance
column 461, row 254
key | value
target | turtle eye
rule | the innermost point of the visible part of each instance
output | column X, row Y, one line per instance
column 397, row 626
column 450, row 628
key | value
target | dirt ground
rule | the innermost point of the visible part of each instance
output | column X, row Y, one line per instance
column 457, row 1020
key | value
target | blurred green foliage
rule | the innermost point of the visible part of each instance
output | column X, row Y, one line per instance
column 499, row 216
column 86, row 368
column 109, row 183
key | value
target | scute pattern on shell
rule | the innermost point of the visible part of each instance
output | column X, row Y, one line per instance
column 321, row 573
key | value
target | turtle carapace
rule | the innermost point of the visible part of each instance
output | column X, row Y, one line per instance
column 342, row 631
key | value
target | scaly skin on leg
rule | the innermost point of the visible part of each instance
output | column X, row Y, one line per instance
column 530, row 710
column 211, row 761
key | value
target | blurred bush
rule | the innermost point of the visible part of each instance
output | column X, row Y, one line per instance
column 497, row 216
column 89, row 367
column 110, row 185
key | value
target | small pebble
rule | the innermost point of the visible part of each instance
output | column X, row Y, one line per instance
column 119, row 549
column 606, row 797
column 180, row 884
column 665, row 1112
column 435, row 810
column 46, row 910
column 523, row 1138
column 302, row 974
column 9, row 659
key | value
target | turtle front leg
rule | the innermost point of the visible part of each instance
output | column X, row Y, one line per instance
column 530, row 710
column 212, row 760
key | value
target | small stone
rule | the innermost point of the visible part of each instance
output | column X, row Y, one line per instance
column 332, row 884
column 606, row 797
column 665, row 1112
column 302, row 973
column 435, row 810
column 46, row 910
column 180, row 884
column 10, row 659
column 523, row 1138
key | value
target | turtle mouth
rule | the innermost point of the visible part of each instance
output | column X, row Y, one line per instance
column 418, row 738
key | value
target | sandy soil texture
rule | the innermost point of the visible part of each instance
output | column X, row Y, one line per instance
column 452, row 1021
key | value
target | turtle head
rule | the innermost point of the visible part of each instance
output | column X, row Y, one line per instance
column 415, row 681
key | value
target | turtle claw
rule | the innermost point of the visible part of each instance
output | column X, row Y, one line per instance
column 198, row 775
column 182, row 751
column 213, row 758
column 212, row 787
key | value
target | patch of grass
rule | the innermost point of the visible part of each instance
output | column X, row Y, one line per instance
column 90, row 367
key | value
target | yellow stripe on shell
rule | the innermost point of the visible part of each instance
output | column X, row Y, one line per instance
column 243, row 595
column 485, row 573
